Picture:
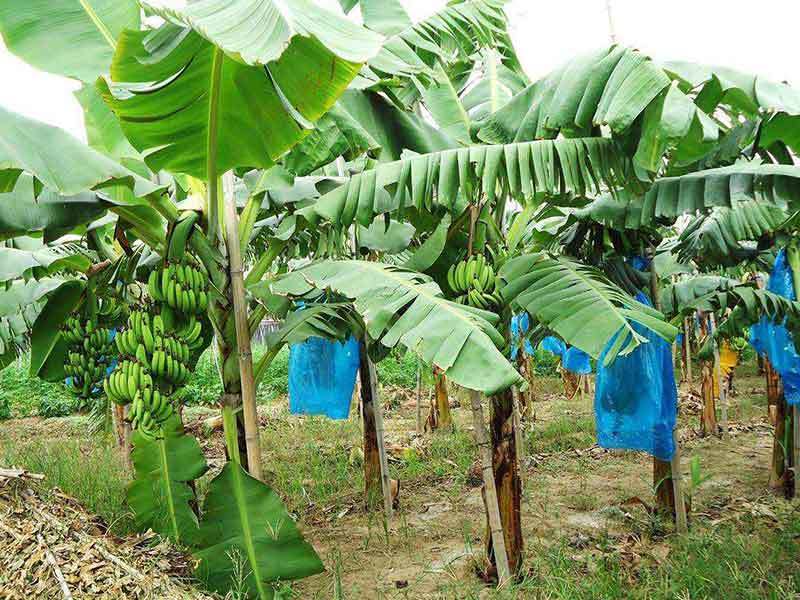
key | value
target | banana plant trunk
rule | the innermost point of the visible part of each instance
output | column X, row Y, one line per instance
column 439, row 416
column 708, row 417
column 774, row 393
column 781, row 477
column 377, row 484
column 507, row 480
column 242, row 331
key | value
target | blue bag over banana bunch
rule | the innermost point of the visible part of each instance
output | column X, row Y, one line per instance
column 636, row 400
column 773, row 339
column 322, row 375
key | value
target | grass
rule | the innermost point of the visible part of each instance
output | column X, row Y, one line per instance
column 88, row 469
column 23, row 396
column 563, row 432
column 316, row 466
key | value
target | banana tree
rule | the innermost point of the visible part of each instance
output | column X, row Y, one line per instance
column 661, row 145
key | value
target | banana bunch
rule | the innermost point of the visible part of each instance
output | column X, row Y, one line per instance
column 127, row 380
column 149, row 409
column 180, row 286
column 88, row 355
column 476, row 283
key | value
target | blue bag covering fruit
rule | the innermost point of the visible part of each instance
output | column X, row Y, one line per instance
column 322, row 376
column 636, row 399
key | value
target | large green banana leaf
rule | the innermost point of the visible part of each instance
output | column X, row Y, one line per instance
column 580, row 304
column 441, row 99
column 62, row 163
column 676, row 296
column 701, row 191
column 20, row 306
column 393, row 129
column 74, row 38
column 456, row 31
column 48, row 348
column 160, row 496
column 402, row 307
column 495, row 87
column 40, row 262
column 612, row 87
column 749, row 302
column 450, row 178
column 336, row 134
column 103, row 131
column 22, row 213
column 718, row 234
column 245, row 525
column 231, row 83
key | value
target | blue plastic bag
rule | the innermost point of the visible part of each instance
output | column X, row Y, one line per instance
column 774, row 340
column 553, row 345
column 577, row 361
column 519, row 327
column 322, row 375
column 636, row 400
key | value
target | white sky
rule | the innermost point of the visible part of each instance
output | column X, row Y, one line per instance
column 757, row 37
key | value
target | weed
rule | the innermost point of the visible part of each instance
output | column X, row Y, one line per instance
column 91, row 472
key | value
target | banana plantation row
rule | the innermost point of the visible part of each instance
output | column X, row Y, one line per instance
column 254, row 158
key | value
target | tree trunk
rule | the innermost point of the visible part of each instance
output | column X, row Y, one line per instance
column 708, row 416
column 439, row 416
column 507, row 479
column 525, row 368
column 571, row 383
column 377, row 485
column 773, row 390
column 780, row 475
column 664, row 487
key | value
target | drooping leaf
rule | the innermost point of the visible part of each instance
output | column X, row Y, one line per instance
column 402, row 307
column 48, row 347
column 74, row 38
column 20, row 294
column 394, row 130
column 58, row 161
column 610, row 87
column 442, row 101
column 385, row 16
column 234, row 83
column 246, row 526
column 702, row 191
column 450, row 178
column 160, row 496
column 431, row 249
column 336, row 134
column 456, row 31
column 103, row 131
column 676, row 296
column 494, row 89
column 717, row 236
column 378, row 238
column 579, row 303
column 41, row 261
column 21, row 213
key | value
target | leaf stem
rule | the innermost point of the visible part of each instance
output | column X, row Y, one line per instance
column 212, row 171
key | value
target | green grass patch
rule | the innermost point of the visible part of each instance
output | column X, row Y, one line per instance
column 91, row 472
column 565, row 432
column 22, row 395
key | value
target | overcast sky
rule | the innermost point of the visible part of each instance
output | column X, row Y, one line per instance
column 760, row 37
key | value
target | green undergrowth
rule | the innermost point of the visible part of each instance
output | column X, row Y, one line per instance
column 563, row 432
column 22, row 395
column 87, row 469
column 746, row 562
